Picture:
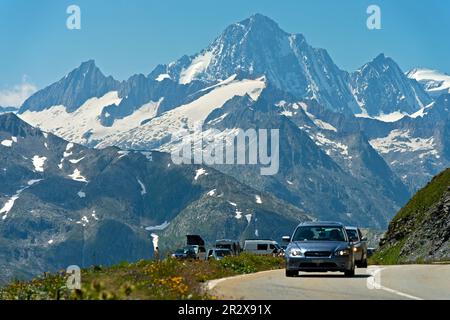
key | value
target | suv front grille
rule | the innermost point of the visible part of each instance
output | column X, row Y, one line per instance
column 317, row 265
column 317, row 253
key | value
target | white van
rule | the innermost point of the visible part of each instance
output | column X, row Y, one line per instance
column 262, row 246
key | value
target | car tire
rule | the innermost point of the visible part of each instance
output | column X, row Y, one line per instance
column 350, row 273
column 363, row 264
column 291, row 273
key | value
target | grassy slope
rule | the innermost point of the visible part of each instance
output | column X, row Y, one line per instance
column 167, row 279
column 425, row 197
column 410, row 216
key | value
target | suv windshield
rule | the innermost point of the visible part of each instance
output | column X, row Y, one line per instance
column 223, row 246
column 352, row 234
column 319, row 233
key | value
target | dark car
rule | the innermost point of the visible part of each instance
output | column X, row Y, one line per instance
column 359, row 246
column 185, row 253
column 319, row 247
column 196, row 243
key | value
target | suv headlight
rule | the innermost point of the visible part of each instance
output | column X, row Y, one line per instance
column 344, row 252
column 295, row 252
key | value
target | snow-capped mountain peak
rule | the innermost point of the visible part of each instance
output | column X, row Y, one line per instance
column 381, row 88
column 434, row 81
column 105, row 111
column 72, row 90
column 257, row 46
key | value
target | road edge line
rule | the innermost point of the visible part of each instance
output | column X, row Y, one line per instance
column 409, row 296
column 211, row 284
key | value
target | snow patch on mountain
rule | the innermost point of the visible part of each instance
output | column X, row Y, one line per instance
column 434, row 82
column 221, row 83
column 162, row 76
column 177, row 123
column 143, row 189
column 318, row 122
column 402, row 141
column 38, row 163
column 397, row 115
column 67, row 152
column 81, row 194
column 324, row 125
column 9, row 205
column 122, row 153
column 199, row 109
column 10, row 202
column 422, row 112
column 329, row 145
column 33, row 182
column 75, row 161
column 391, row 117
column 74, row 125
column 160, row 227
column 200, row 172
column 76, row 175
column 198, row 65
column 7, row 143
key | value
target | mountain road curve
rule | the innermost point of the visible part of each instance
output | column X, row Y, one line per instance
column 418, row 282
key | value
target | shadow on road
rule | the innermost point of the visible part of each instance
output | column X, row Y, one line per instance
column 332, row 276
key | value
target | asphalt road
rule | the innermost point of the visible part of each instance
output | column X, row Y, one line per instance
column 376, row 282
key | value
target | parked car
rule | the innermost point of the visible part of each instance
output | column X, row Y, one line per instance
column 359, row 246
column 262, row 247
column 233, row 245
column 197, row 244
column 317, row 247
column 185, row 253
column 218, row 254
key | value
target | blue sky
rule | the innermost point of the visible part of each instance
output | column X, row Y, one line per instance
column 133, row 36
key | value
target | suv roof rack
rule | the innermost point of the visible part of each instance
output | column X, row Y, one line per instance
column 318, row 223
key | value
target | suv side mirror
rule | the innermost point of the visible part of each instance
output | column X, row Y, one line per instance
column 286, row 239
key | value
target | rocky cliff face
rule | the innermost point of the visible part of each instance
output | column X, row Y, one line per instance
column 421, row 230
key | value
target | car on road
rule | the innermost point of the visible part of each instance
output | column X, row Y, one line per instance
column 359, row 246
column 184, row 253
column 264, row 247
column 196, row 243
column 319, row 247
column 233, row 245
column 218, row 254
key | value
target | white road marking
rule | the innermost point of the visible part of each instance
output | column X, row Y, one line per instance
column 213, row 283
column 380, row 286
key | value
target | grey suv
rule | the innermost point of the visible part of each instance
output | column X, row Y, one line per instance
column 359, row 246
column 319, row 246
